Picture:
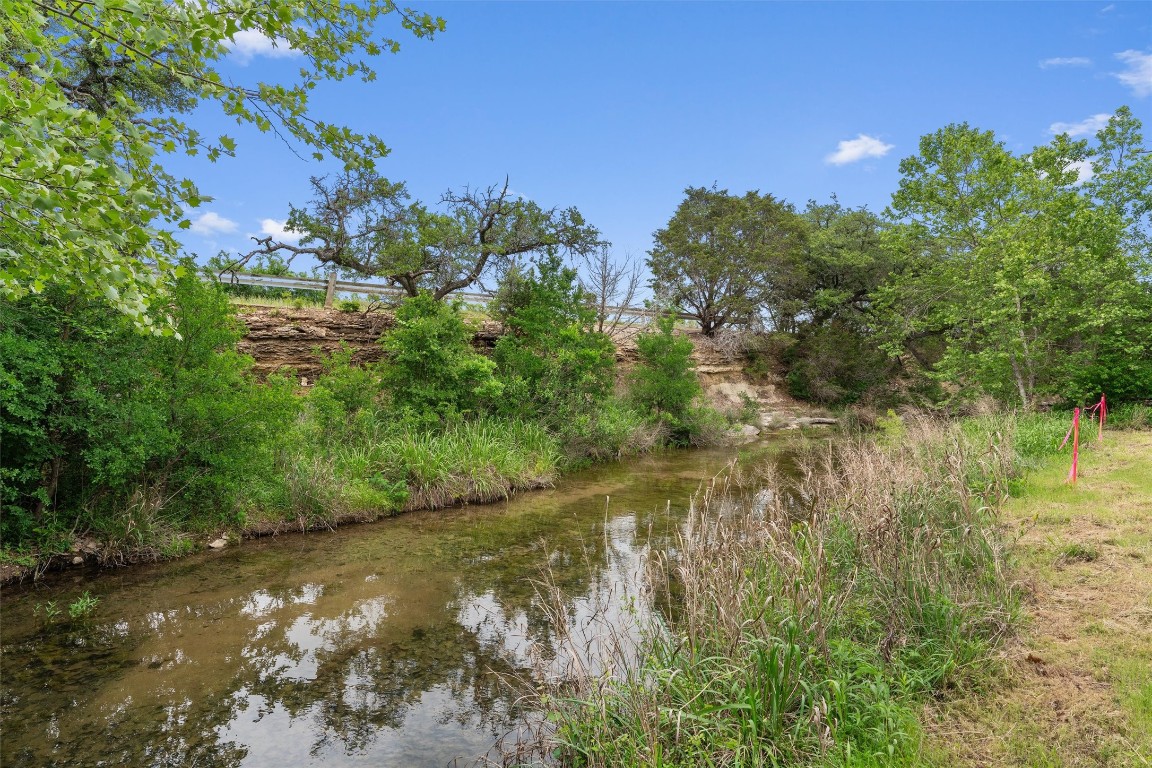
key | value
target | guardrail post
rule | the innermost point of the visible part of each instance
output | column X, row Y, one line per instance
column 331, row 290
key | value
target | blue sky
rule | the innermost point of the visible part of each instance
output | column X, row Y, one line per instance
column 615, row 107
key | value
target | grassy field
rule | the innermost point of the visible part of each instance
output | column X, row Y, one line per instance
column 1080, row 691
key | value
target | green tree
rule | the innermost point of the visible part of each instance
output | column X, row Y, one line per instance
column 432, row 372
column 552, row 363
column 822, row 298
column 717, row 255
column 99, row 418
column 1122, row 180
column 1019, row 273
column 663, row 383
column 92, row 95
column 366, row 225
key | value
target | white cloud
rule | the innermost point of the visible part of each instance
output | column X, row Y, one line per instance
column 1083, row 170
column 1138, row 77
column 1089, row 125
column 249, row 43
column 1066, row 61
column 1108, row 8
column 852, row 150
column 278, row 232
column 212, row 223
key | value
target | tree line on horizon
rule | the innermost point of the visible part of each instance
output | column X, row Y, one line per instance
column 1024, row 277
column 990, row 273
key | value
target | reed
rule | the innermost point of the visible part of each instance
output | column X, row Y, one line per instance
column 803, row 626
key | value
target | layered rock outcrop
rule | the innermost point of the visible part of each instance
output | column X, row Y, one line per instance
column 283, row 340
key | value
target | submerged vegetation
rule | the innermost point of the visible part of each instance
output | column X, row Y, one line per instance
column 808, row 626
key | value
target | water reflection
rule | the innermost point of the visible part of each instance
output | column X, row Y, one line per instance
column 381, row 645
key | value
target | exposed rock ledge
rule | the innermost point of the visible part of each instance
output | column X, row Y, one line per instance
column 285, row 339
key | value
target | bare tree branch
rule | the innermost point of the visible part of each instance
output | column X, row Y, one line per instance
column 611, row 283
column 365, row 224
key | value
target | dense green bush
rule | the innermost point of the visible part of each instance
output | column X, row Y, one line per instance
column 553, row 365
column 432, row 372
column 836, row 364
column 663, row 383
column 109, row 429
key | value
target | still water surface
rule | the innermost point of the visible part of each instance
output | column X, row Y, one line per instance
column 377, row 645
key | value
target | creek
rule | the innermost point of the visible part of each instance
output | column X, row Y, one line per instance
column 388, row 644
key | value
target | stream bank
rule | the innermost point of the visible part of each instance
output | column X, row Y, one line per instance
column 384, row 644
column 282, row 339
column 1079, row 676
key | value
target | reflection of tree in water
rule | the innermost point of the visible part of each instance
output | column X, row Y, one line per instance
column 367, row 678
column 69, row 663
column 352, row 660
column 362, row 688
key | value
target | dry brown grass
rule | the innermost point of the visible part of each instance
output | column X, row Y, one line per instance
column 1080, row 692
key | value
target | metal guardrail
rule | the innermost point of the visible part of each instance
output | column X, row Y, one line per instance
column 332, row 286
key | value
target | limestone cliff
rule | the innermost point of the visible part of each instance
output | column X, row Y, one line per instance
column 285, row 339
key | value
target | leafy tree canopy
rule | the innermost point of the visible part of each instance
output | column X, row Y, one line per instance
column 717, row 255
column 824, row 298
column 833, row 274
column 92, row 97
column 1029, row 278
column 366, row 225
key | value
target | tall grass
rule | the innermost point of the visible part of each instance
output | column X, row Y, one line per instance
column 373, row 468
column 805, row 632
column 481, row 460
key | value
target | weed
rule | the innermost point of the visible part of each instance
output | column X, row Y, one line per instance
column 804, row 632
column 1129, row 416
column 1077, row 552
column 83, row 607
column 891, row 427
column 49, row 610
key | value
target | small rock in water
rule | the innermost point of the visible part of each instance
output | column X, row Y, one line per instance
column 77, row 560
column 218, row 544
column 744, row 432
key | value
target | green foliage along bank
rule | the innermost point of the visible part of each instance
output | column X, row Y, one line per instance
column 1023, row 277
column 811, row 631
column 129, row 436
column 148, row 443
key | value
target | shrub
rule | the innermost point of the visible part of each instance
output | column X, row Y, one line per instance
column 431, row 372
column 663, row 383
column 614, row 430
column 551, row 363
column 343, row 391
column 836, row 364
column 99, row 417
